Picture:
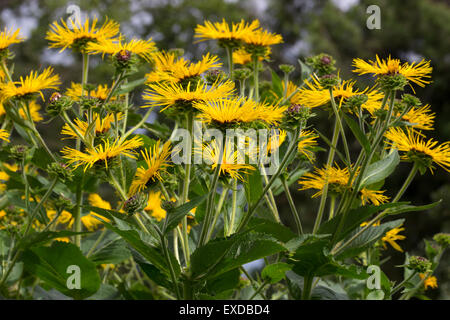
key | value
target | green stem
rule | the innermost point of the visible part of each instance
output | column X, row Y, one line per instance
column 291, row 149
column 256, row 77
column 230, row 61
column 217, row 214
column 341, row 127
column 400, row 285
column 187, row 179
column 137, row 126
column 292, row 205
column 233, row 209
column 332, row 207
column 307, row 286
column 330, row 160
column 271, row 198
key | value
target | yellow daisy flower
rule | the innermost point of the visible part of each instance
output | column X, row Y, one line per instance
column 101, row 92
column 102, row 125
column 89, row 220
column 314, row 95
column 374, row 196
column 61, row 36
column 33, row 83
column 262, row 38
column 417, row 73
column 170, row 94
column 34, row 112
column 168, row 68
column 240, row 56
column 222, row 31
column 4, row 135
column 64, row 217
column 102, row 153
column 8, row 37
column 239, row 110
column 142, row 48
column 308, row 139
column 392, row 236
column 154, row 206
column 233, row 161
column 417, row 149
column 156, row 162
column 430, row 281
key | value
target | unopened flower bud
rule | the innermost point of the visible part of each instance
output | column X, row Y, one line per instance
column 242, row 74
column 322, row 64
column 123, row 55
column 411, row 101
column 60, row 170
column 329, row 81
column 18, row 152
column 419, row 264
column 214, row 75
column 136, row 203
column 287, row 68
column 389, row 82
column 58, row 103
column 443, row 239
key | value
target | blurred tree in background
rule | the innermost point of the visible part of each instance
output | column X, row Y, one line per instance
column 409, row 30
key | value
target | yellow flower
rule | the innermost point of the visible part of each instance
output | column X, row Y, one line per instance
column 417, row 149
column 314, row 95
column 34, row 112
column 102, row 125
column 168, row 68
column 63, row 239
column 276, row 140
column 2, row 213
column 336, row 177
column 102, row 153
column 430, row 281
column 222, row 31
column 89, row 220
column 171, row 94
column 417, row 73
column 420, row 118
column 262, row 38
column 101, row 92
column 142, row 48
column 374, row 196
column 64, row 217
column 154, row 205
column 308, row 139
column 233, row 161
column 33, row 83
column 239, row 110
column 392, row 236
column 240, row 56
column 8, row 37
column 156, row 160
column 61, row 36
column 4, row 135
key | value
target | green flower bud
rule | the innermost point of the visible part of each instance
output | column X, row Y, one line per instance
column 136, row 203
column 329, row 81
column 115, row 106
column 61, row 171
column 443, row 239
column 411, row 101
column 287, row 68
column 18, row 152
column 58, row 103
column 296, row 114
column 419, row 264
column 63, row 203
column 354, row 103
column 390, row 82
column 242, row 74
column 322, row 64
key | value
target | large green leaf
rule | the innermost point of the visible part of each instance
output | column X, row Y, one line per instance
column 274, row 229
column 360, row 136
column 110, row 251
column 275, row 272
column 408, row 208
column 222, row 255
column 50, row 264
column 225, row 281
column 354, row 218
column 381, row 169
column 151, row 253
column 367, row 238
column 253, row 186
column 39, row 238
column 175, row 215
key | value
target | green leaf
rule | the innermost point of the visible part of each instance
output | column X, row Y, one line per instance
column 114, row 252
column 381, row 169
column 50, row 264
column 276, row 272
column 39, row 238
column 312, row 258
column 175, row 215
column 375, row 295
column 221, row 255
column 354, row 218
column 152, row 254
column 127, row 87
column 277, row 86
column 408, row 208
column 226, row 281
column 305, row 70
column 360, row 136
column 253, row 186
column 367, row 238
column 274, row 229
column 41, row 158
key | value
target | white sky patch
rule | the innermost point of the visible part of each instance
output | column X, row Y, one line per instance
column 345, row 5
column 52, row 56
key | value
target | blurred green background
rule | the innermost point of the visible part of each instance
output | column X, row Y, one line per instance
column 409, row 30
